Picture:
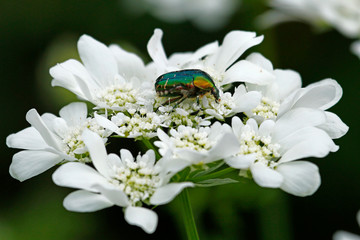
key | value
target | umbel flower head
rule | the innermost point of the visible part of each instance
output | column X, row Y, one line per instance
column 197, row 146
column 284, row 93
column 275, row 123
column 51, row 140
column 269, row 150
column 109, row 77
column 120, row 181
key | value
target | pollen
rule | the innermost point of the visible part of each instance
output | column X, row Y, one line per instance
column 267, row 108
column 118, row 95
column 73, row 144
column 265, row 151
column 137, row 181
column 191, row 138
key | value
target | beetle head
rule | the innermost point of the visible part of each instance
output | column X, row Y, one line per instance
column 215, row 93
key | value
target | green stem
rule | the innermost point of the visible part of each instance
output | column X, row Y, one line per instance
column 188, row 216
column 149, row 145
column 215, row 174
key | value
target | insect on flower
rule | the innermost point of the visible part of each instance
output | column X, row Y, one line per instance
column 189, row 83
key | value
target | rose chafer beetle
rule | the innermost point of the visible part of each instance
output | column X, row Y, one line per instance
column 188, row 83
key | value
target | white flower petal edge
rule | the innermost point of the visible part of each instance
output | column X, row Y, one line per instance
column 265, row 176
column 78, row 175
column 343, row 235
column 142, row 217
column 198, row 146
column 97, row 152
column 84, row 201
column 27, row 164
column 121, row 181
column 168, row 192
column 300, row 178
column 50, row 139
column 269, row 150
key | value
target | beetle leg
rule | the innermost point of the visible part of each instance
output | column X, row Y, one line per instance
column 180, row 100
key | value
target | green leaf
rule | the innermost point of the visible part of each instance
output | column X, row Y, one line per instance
column 215, row 182
column 209, row 170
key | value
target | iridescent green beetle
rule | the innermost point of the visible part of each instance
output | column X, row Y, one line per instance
column 188, row 83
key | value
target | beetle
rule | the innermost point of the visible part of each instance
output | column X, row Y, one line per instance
column 188, row 83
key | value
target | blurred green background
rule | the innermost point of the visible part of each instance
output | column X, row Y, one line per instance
column 37, row 34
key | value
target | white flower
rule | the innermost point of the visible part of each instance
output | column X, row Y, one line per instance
column 284, row 93
column 118, row 181
column 205, row 14
column 50, row 140
column 355, row 48
column 240, row 101
column 342, row 235
column 109, row 77
column 142, row 124
column 217, row 61
column 342, row 15
column 284, row 83
column 269, row 150
column 197, row 146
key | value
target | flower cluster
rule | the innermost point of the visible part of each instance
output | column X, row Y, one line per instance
column 344, row 16
column 178, row 106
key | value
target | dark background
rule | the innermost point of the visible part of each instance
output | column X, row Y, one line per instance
column 37, row 34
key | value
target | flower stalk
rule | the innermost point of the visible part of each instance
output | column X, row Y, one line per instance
column 188, row 217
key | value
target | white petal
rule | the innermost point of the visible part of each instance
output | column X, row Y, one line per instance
column 226, row 146
column 171, row 165
column 322, row 95
column 97, row 151
column 266, row 128
column 162, row 135
column 245, row 71
column 237, row 126
column 252, row 124
column 156, row 50
column 129, row 64
column 126, row 156
column 241, row 161
column 78, row 175
column 98, row 60
column 295, row 120
column 287, row 82
column 265, row 176
column 65, row 75
column 205, row 50
column 60, row 127
column 142, row 217
column 35, row 120
column 113, row 194
column 261, row 61
column 307, row 142
column 246, row 102
column 114, row 160
column 334, row 126
column 74, row 113
column 106, row 123
column 84, row 201
column 234, row 45
column 28, row 138
column 342, row 235
column 167, row 193
column 300, row 178
column 192, row 156
column 27, row 164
